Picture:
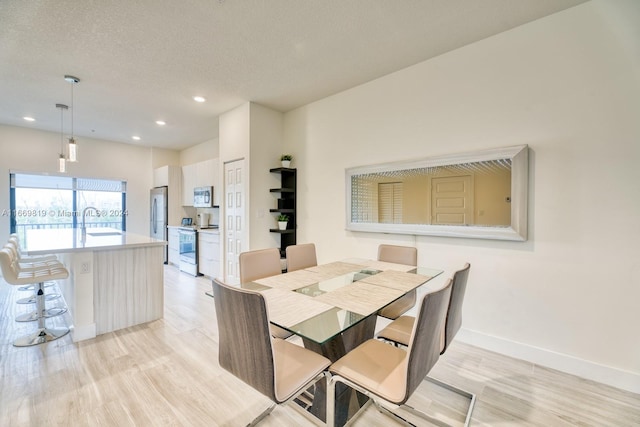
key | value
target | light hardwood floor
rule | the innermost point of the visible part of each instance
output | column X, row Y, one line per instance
column 165, row 373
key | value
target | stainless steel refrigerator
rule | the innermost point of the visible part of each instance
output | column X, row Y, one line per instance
column 159, row 215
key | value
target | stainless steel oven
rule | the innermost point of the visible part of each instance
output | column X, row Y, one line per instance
column 188, row 251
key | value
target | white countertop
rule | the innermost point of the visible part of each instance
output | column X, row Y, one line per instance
column 54, row 240
column 211, row 229
column 208, row 230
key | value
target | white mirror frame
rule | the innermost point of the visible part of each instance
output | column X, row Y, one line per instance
column 519, row 156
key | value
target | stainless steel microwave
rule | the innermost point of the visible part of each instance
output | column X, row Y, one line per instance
column 203, row 197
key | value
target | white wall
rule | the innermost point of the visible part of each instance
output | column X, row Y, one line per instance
column 29, row 150
column 204, row 151
column 568, row 86
column 266, row 143
column 162, row 157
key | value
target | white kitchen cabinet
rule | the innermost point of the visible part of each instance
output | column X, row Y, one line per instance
column 174, row 246
column 209, row 253
column 188, row 183
column 201, row 174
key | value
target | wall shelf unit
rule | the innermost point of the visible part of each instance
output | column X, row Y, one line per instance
column 286, row 205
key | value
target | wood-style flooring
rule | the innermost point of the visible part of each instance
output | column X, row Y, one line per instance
column 166, row 373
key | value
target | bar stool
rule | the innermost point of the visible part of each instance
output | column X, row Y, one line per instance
column 15, row 242
column 33, row 263
column 27, row 266
column 15, row 275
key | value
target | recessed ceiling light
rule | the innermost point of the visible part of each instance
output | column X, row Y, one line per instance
column 199, row 99
column 29, row 119
column 161, row 122
column 137, row 138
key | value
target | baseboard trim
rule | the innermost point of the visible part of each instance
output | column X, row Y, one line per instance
column 82, row 333
column 613, row 377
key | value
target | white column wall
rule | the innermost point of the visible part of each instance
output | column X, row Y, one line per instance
column 266, row 143
column 568, row 86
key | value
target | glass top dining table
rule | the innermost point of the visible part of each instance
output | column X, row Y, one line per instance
column 322, row 302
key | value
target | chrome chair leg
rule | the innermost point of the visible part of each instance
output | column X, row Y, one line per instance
column 413, row 411
column 464, row 393
column 323, row 376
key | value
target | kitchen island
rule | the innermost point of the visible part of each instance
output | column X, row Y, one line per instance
column 116, row 278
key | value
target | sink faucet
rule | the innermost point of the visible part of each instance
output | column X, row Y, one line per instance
column 83, row 228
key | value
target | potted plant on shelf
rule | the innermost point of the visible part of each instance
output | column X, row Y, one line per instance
column 282, row 222
column 285, row 159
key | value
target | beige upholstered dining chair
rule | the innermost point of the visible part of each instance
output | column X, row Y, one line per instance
column 301, row 256
column 389, row 375
column 399, row 255
column 259, row 264
column 276, row 368
column 399, row 331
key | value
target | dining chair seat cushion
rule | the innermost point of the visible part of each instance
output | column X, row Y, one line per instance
column 294, row 366
column 278, row 332
column 400, row 306
column 377, row 366
column 400, row 331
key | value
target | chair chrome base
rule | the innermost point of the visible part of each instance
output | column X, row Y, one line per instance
column 40, row 336
column 259, row 418
column 33, row 287
column 464, row 393
column 388, row 408
column 35, row 315
column 32, row 299
column 388, row 412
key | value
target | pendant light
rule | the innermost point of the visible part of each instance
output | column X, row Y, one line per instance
column 72, row 147
column 62, row 162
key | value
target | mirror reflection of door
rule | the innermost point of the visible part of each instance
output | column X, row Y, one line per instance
column 452, row 200
column 390, row 202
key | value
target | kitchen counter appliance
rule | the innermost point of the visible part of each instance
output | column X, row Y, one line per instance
column 203, row 197
column 159, row 215
column 203, row 220
column 188, row 251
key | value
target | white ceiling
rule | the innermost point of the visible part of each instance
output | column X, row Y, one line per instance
column 143, row 60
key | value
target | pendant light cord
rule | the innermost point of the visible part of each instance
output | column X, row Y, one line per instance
column 72, row 109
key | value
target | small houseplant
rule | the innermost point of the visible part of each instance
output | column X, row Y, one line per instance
column 282, row 222
column 285, row 159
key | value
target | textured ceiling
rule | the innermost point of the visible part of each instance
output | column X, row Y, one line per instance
column 143, row 60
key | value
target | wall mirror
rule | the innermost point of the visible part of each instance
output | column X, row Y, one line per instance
column 481, row 194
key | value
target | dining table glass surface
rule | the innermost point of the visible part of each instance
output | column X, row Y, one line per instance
column 325, row 326
column 329, row 312
column 333, row 283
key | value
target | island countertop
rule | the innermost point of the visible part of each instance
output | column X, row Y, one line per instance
column 61, row 240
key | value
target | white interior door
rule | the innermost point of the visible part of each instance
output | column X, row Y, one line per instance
column 452, row 200
column 235, row 221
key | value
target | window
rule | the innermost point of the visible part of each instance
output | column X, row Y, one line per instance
column 49, row 201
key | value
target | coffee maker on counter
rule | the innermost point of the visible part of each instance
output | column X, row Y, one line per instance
column 203, row 220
